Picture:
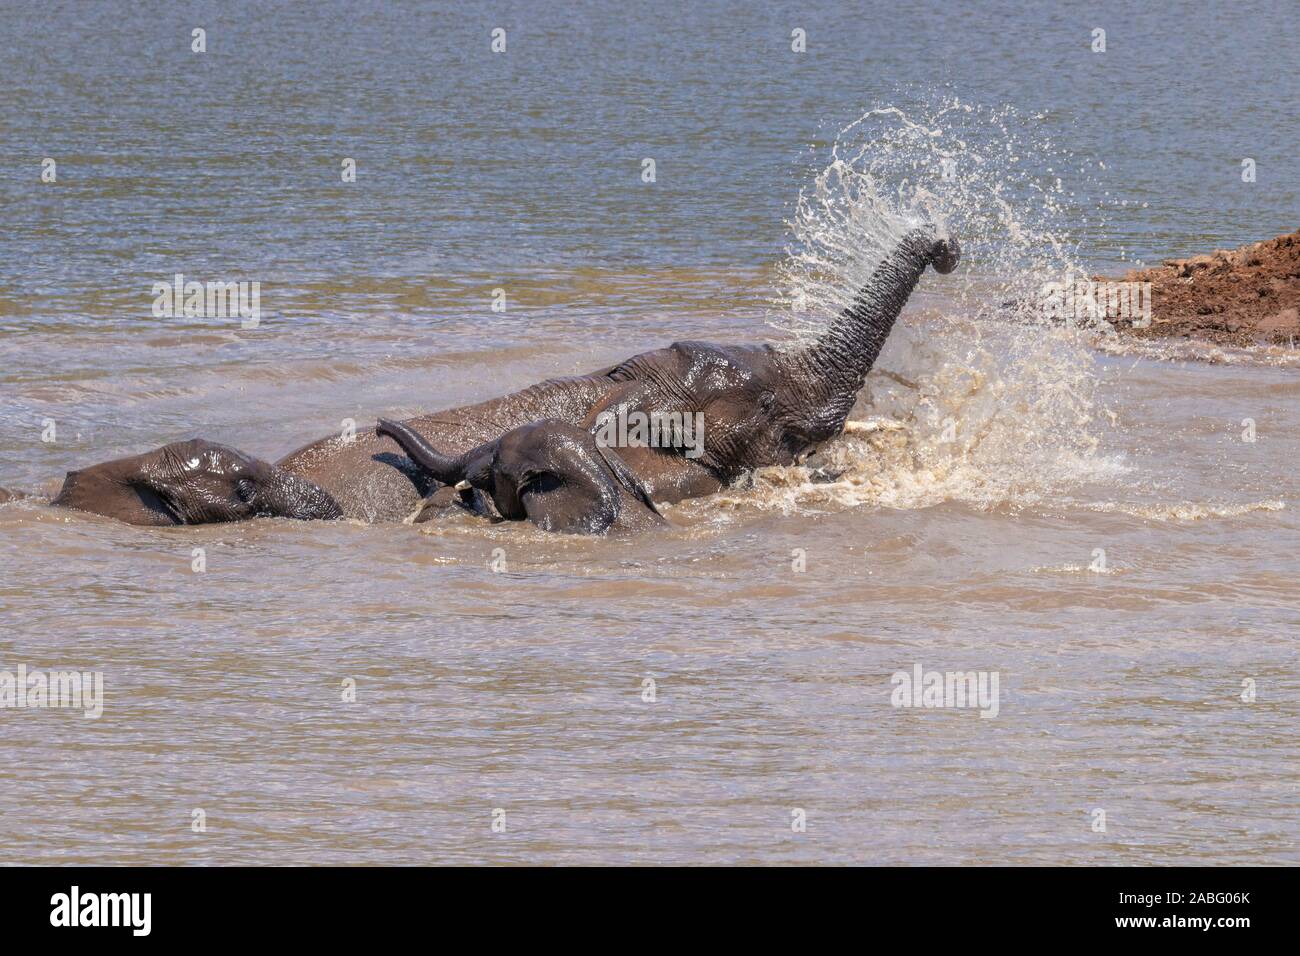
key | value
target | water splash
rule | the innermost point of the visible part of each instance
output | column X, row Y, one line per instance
column 992, row 401
column 992, row 177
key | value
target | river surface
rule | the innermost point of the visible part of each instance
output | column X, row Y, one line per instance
column 1111, row 532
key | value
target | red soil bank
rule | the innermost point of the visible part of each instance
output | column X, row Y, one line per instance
column 1238, row 297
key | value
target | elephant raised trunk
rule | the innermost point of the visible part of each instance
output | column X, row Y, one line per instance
column 448, row 469
column 839, row 360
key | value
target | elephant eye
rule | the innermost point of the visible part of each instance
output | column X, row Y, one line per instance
column 540, row 481
column 245, row 490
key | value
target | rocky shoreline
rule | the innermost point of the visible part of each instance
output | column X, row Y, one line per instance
column 1238, row 297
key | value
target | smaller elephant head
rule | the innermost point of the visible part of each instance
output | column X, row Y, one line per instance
column 550, row 472
column 193, row 482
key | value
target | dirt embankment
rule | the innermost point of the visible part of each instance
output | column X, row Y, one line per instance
column 1242, row 296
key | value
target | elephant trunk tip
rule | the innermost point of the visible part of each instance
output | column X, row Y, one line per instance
column 945, row 254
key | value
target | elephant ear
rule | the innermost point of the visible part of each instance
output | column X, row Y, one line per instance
column 626, row 477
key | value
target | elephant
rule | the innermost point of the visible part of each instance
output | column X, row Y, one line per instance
column 534, row 453
column 554, row 474
column 193, row 482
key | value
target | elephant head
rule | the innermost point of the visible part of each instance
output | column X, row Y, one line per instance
column 193, row 482
column 549, row 471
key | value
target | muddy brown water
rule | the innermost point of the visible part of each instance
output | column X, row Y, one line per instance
column 502, row 668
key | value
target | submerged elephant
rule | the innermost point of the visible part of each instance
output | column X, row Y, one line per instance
column 193, row 482
column 534, row 454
